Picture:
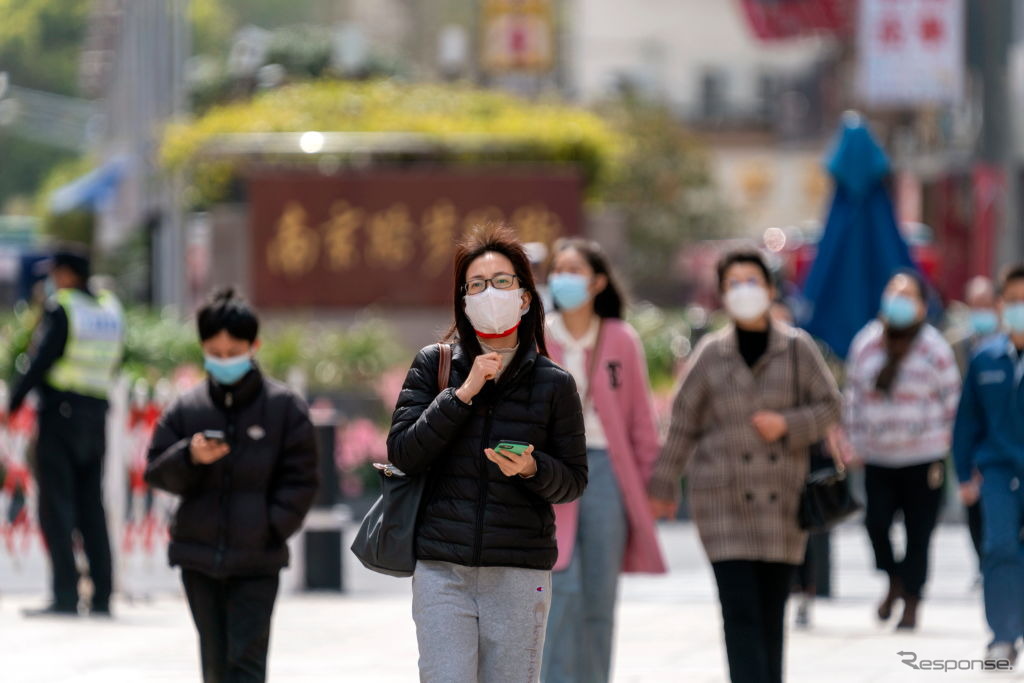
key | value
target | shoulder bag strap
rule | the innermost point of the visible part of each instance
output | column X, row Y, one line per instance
column 444, row 367
column 840, row 465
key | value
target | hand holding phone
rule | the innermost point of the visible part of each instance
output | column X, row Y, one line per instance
column 208, row 447
column 513, row 458
column 517, row 447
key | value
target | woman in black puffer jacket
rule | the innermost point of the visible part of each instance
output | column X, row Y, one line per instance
column 486, row 533
column 243, row 493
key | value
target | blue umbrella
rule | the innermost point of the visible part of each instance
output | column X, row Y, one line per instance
column 861, row 246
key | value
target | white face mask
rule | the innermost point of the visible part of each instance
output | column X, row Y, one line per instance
column 746, row 302
column 495, row 311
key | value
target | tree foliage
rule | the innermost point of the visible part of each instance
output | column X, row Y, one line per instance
column 40, row 42
column 666, row 191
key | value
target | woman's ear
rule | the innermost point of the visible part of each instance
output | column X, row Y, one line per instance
column 527, row 300
column 256, row 345
column 600, row 284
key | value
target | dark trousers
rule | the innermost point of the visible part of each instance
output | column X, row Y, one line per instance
column 69, row 472
column 233, row 619
column 813, row 577
column 917, row 492
column 974, row 524
column 753, row 597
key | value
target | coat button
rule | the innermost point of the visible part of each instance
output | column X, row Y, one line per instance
column 749, row 496
column 747, row 457
column 773, row 497
column 774, row 457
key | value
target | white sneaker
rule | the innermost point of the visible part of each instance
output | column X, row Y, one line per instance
column 998, row 653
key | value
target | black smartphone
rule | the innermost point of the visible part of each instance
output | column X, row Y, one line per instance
column 214, row 435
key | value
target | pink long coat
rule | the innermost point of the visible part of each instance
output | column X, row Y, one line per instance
column 622, row 398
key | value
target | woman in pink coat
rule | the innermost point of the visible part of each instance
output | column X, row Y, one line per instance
column 610, row 530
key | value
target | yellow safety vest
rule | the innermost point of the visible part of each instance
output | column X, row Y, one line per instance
column 94, row 347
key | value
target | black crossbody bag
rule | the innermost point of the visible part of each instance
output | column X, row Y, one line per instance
column 386, row 540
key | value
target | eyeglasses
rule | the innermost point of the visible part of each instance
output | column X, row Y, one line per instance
column 736, row 282
column 499, row 281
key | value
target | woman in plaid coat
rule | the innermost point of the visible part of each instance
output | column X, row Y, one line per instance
column 755, row 396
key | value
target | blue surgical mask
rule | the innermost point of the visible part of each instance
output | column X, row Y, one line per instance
column 1013, row 318
column 899, row 311
column 569, row 290
column 228, row 371
column 984, row 321
column 49, row 287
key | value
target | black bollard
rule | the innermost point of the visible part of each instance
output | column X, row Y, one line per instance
column 322, row 539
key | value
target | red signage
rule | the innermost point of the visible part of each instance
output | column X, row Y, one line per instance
column 388, row 237
column 783, row 19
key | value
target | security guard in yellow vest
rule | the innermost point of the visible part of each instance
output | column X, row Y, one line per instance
column 75, row 354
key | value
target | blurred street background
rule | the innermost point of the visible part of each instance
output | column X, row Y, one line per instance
column 324, row 155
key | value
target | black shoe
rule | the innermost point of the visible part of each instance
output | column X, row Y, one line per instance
column 49, row 611
column 909, row 620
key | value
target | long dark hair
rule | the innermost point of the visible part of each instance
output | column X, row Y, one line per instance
column 899, row 342
column 610, row 301
column 501, row 240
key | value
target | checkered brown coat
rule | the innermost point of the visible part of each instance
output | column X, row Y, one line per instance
column 743, row 492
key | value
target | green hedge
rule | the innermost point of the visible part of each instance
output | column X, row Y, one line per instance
column 331, row 356
column 509, row 128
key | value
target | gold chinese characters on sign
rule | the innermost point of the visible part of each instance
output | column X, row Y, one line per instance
column 391, row 238
column 296, row 247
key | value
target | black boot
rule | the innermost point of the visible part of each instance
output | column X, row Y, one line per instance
column 909, row 620
column 895, row 593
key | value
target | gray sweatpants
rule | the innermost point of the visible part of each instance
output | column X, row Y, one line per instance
column 482, row 624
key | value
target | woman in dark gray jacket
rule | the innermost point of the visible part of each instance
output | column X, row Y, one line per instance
column 240, row 451
column 486, row 535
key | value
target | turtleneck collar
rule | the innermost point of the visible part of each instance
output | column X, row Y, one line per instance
column 238, row 395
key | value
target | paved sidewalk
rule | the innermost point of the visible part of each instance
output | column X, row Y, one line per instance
column 669, row 629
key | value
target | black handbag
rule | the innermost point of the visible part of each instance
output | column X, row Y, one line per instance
column 826, row 499
column 386, row 540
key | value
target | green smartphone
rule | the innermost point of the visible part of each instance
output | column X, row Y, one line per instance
column 517, row 447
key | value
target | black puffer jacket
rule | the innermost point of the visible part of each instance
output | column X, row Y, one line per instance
column 473, row 514
column 236, row 514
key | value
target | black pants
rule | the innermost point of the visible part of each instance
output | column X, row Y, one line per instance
column 813, row 577
column 69, row 472
column 917, row 492
column 753, row 596
column 233, row 619
column 975, row 527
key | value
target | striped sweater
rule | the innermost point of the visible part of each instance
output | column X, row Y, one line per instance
column 912, row 424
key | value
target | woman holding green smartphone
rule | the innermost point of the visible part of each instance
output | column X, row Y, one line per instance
column 485, row 540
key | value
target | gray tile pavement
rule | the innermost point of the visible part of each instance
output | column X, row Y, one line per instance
column 668, row 627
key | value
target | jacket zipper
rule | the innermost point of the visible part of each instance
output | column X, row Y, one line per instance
column 225, row 494
column 481, row 505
